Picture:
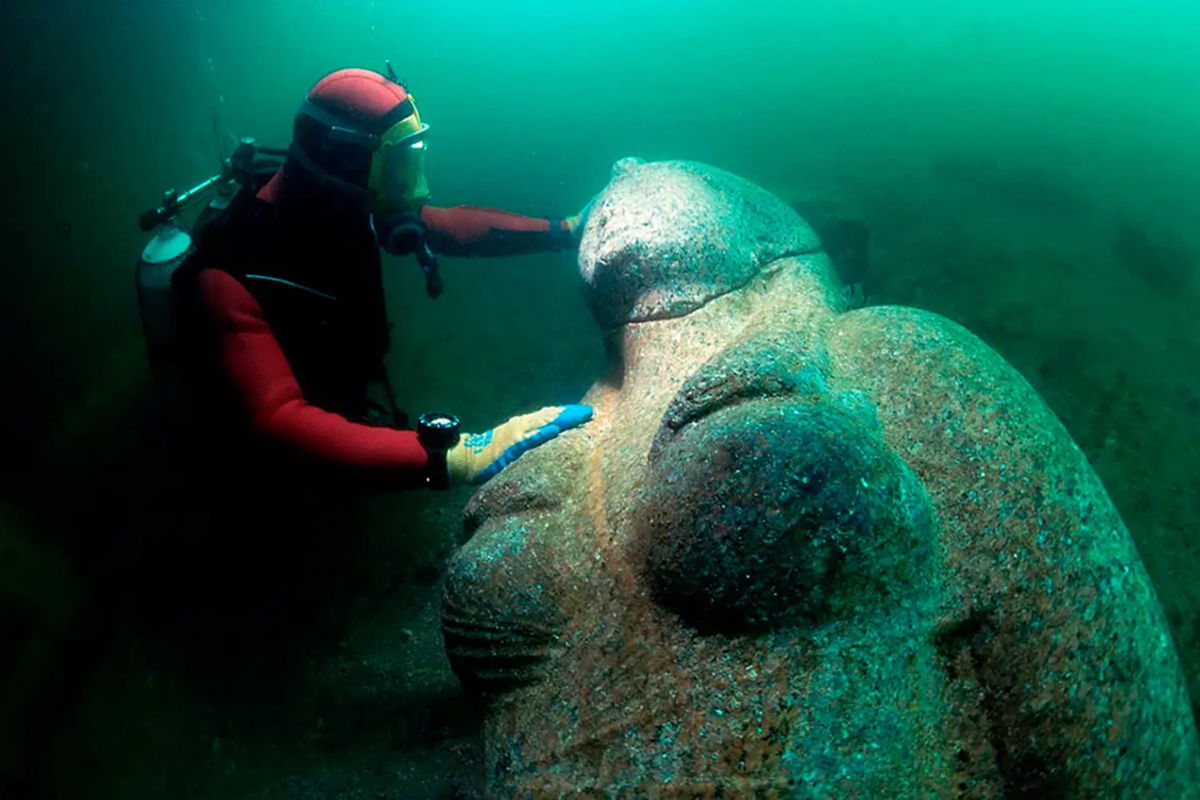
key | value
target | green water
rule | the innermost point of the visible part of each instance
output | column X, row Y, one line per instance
column 1028, row 169
column 530, row 104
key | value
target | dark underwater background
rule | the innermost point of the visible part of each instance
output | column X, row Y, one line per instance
column 1031, row 170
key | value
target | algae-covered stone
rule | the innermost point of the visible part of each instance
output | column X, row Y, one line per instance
column 723, row 231
column 802, row 551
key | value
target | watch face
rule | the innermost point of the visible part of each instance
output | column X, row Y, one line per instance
column 439, row 421
column 438, row 430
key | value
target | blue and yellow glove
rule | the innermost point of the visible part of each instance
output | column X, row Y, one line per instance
column 478, row 457
column 578, row 223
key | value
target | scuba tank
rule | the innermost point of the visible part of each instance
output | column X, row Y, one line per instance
column 170, row 247
column 173, row 242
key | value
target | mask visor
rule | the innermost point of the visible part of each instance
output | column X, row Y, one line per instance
column 398, row 171
column 404, row 172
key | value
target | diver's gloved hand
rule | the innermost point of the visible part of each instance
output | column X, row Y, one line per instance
column 478, row 457
column 578, row 223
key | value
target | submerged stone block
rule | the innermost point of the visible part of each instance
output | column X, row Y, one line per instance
column 802, row 551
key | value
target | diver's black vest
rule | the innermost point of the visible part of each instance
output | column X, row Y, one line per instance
column 318, row 280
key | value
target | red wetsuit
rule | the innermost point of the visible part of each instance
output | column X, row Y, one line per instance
column 253, row 361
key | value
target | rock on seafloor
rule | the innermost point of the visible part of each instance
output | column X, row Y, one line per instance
column 802, row 551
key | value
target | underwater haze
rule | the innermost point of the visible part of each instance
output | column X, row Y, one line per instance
column 1030, row 170
column 1091, row 104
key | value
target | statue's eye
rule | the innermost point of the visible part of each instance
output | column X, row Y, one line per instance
column 778, row 512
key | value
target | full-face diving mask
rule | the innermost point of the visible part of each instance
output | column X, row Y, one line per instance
column 396, row 180
column 400, row 189
column 396, row 186
column 398, row 166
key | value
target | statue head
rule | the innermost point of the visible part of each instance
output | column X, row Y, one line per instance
column 801, row 549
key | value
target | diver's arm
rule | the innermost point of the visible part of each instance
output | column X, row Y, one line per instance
column 487, row 232
column 254, row 363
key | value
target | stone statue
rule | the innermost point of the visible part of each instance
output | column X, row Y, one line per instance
column 800, row 551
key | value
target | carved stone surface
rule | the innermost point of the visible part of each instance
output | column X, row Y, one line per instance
column 801, row 551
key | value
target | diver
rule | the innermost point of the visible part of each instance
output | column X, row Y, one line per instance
column 282, row 305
